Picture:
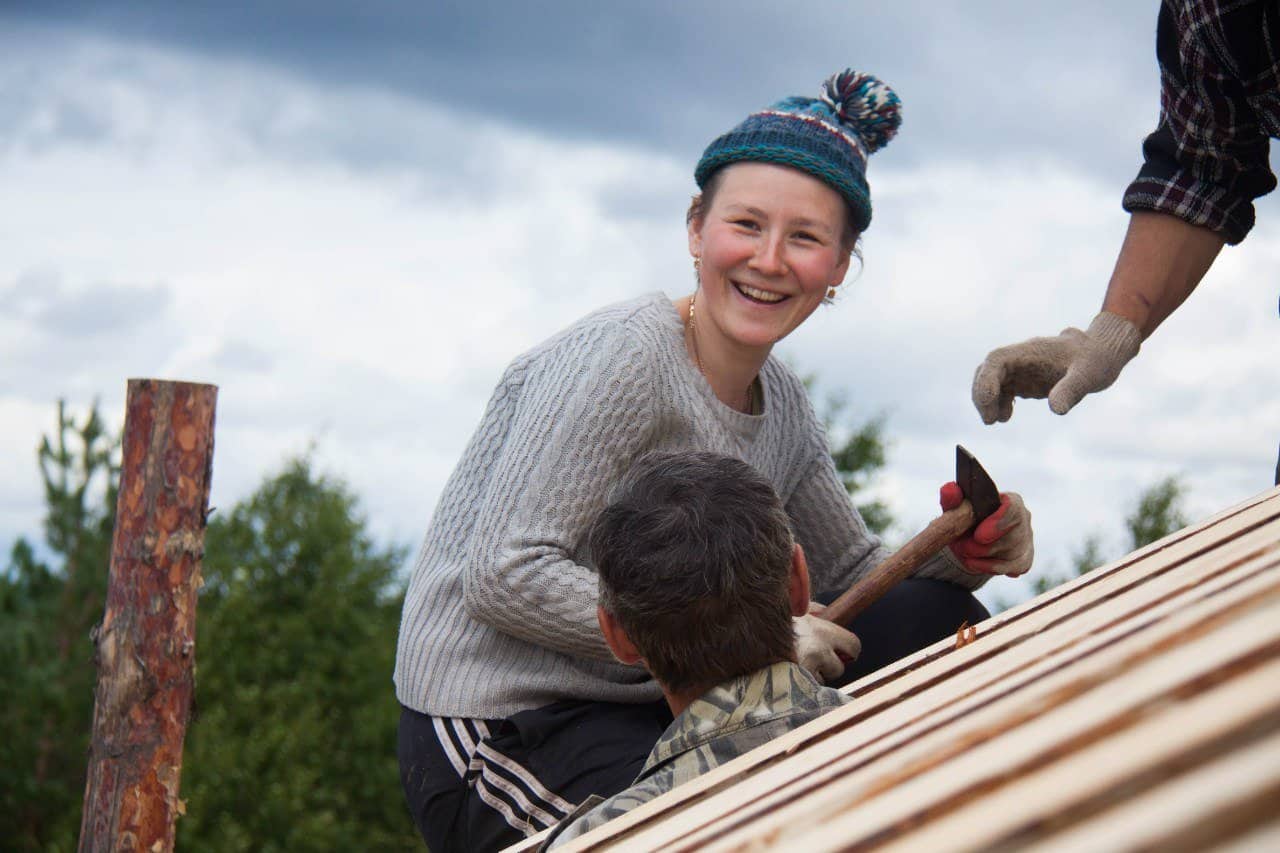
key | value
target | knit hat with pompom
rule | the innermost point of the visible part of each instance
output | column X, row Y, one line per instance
column 829, row 137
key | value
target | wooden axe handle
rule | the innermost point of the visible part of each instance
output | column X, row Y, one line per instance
column 901, row 564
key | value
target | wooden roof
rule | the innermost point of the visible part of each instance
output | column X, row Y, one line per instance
column 1137, row 706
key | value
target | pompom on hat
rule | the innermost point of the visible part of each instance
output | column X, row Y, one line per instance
column 830, row 137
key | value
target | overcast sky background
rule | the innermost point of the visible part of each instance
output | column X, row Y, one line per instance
column 351, row 216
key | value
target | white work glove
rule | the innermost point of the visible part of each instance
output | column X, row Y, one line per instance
column 1063, row 369
column 820, row 643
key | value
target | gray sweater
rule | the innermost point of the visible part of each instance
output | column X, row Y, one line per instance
column 500, row 614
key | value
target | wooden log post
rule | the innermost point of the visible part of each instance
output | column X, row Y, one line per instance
column 145, row 644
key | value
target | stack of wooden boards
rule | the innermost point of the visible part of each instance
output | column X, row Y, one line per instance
column 1136, row 707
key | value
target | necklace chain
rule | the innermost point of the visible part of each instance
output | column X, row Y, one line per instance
column 749, row 399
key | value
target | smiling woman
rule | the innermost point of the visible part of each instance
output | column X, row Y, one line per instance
column 768, row 248
column 515, row 710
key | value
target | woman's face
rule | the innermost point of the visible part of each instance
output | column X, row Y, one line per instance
column 770, row 245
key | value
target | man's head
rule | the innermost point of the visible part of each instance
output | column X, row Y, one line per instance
column 698, row 569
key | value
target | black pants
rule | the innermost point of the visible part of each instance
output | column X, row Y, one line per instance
column 477, row 785
column 480, row 785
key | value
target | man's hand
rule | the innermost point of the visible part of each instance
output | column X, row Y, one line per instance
column 1002, row 544
column 1064, row 368
column 820, row 645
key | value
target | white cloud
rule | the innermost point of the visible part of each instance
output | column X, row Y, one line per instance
column 359, row 310
column 354, row 270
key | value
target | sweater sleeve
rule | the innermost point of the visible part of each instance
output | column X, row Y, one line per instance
column 837, row 544
column 584, row 414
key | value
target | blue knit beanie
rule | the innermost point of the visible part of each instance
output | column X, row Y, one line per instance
column 829, row 137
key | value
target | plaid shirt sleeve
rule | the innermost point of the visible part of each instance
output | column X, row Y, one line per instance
column 1219, row 102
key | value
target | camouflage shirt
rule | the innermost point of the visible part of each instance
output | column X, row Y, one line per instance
column 725, row 722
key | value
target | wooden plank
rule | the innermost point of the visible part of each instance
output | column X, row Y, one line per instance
column 1048, row 648
column 883, row 736
column 896, row 735
column 1193, row 805
column 1212, row 531
column 1108, row 580
column 1192, row 580
column 1013, row 734
column 145, row 644
column 1231, row 717
column 615, row 824
column 915, row 673
column 919, row 678
column 953, row 700
column 1261, row 839
column 1191, row 555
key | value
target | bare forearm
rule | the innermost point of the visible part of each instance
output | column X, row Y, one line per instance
column 1161, row 262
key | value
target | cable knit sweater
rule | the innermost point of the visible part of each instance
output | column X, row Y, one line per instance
column 500, row 614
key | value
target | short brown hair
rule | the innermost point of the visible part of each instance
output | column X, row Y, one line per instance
column 694, row 557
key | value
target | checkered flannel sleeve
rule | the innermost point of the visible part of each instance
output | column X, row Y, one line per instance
column 1220, row 101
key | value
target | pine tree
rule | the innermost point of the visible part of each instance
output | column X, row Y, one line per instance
column 293, row 742
column 50, row 599
column 293, row 747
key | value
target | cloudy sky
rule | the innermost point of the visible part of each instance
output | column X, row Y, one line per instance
column 350, row 216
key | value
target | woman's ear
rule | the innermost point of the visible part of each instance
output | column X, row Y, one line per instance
column 695, row 237
column 798, row 591
column 848, row 245
column 842, row 270
column 694, row 220
column 616, row 638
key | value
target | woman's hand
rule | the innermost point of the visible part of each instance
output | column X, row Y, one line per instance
column 1002, row 544
column 824, row 647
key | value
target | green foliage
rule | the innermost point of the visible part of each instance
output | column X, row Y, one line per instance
column 860, row 451
column 293, row 747
column 47, row 608
column 1159, row 513
column 1088, row 558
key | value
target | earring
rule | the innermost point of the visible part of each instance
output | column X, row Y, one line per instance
column 697, row 263
column 831, row 293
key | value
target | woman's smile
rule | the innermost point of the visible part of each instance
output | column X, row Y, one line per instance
column 755, row 294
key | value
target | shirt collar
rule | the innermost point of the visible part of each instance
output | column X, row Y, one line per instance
column 767, row 694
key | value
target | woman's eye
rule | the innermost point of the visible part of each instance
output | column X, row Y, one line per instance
column 746, row 223
column 805, row 235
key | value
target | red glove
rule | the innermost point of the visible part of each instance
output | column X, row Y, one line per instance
column 1002, row 544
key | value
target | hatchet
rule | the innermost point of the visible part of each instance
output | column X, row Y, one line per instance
column 981, row 499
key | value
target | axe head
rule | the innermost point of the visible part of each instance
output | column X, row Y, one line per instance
column 977, row 486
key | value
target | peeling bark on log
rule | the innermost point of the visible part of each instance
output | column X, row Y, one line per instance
column 146, row 641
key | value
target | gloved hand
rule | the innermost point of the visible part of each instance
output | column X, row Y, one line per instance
column 1063, row 369
column 820, row 643
column 1002, row 544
